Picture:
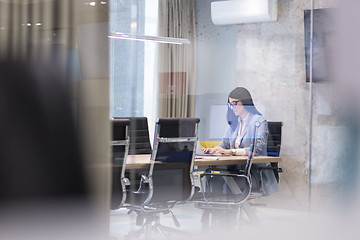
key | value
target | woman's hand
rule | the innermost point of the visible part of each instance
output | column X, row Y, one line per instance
column 212, row 150
column 217, row 149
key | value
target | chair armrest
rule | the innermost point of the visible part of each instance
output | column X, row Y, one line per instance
column 237, row 193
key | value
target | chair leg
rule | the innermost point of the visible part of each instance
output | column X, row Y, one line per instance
column 171, row 230
column 158, row 228
column 152, row 223
column 145, row 229
column 205, row 220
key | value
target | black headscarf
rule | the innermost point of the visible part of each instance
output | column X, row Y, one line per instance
column 244, row 96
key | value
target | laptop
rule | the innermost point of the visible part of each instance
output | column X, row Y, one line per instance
column 199, row 151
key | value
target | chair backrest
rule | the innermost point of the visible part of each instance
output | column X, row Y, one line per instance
column 274, row 144
column 274, row 138
column 120, row 148
column 174, row 146
column 139, row 135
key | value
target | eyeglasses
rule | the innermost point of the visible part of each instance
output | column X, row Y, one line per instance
column 233, row 104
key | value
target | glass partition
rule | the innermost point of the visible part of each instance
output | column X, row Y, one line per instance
column 298, row 59
column 288, row 67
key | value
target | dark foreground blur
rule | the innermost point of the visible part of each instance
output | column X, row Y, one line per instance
column 42, row 181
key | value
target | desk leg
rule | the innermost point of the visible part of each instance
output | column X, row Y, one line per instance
column 250, row 212
column 232, row 185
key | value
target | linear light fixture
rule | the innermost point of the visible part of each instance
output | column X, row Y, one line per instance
column 146, row 38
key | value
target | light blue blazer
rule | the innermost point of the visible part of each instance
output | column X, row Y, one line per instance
column 255, row 126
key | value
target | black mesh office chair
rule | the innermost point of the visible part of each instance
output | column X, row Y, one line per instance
column 169, row 179
column 120, row 149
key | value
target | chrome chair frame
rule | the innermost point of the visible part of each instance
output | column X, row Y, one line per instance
column 123, row 180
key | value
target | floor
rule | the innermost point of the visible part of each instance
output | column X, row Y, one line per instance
column 226, row 224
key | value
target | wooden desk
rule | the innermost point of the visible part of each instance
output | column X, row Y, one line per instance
column 143, row 161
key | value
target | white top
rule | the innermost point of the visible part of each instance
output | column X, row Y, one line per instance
column 238, row 149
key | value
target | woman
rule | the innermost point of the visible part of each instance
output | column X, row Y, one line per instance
column 245, row 124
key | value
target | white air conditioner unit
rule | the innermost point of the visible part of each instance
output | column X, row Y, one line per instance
column 243, row 11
